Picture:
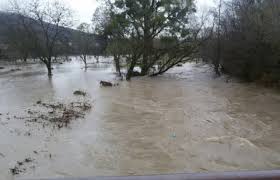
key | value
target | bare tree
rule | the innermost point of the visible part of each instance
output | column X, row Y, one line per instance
column 218, row 59
column 19, row 42
column 85, row 40
column 45, row 23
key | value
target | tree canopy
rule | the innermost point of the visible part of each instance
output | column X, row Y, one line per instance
column 151, row 31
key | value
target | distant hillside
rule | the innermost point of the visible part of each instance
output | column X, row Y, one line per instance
column 6, row 20
column 9, row 21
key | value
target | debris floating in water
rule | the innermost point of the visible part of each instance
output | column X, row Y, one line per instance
column 80, row 93
column 19, row 167
column 106, row 84
column 58, row 115
column 17, row 69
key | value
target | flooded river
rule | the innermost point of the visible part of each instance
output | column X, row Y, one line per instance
column 183, row 121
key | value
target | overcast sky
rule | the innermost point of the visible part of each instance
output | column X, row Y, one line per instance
column 83, row 9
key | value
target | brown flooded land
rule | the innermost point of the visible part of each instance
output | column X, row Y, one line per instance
column 183, row 121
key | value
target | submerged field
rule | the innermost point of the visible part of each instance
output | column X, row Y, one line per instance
column 183, row 121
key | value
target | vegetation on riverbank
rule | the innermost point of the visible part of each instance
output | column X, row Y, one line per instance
column 242, row 38
column 245, row 41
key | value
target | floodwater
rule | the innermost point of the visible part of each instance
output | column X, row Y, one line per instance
column 183, row 121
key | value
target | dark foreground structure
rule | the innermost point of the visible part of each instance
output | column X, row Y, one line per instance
column 243, row 175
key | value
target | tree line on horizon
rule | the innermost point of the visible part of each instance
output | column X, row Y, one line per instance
column 240, row 37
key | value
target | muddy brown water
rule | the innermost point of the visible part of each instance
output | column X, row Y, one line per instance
column 183, row 121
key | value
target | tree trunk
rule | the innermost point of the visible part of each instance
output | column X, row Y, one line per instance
column 49, row 67
column 49, row 70
column 144, row 68
column 117, row 63
column 131, row 68
column 146, row 53
column 147, row 44
column 218, row 59
column 25, row 56
column 216, row 68
column 85, row 61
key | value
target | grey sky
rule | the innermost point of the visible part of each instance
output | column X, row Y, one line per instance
column 83, row 9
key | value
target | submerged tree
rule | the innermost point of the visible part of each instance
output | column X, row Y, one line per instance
column 154, row 30
column 117, row 49
column 85, row 40
column 104, row 25
column 45, row 23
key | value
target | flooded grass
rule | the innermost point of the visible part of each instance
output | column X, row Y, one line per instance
column 57, row 115
column 20, row 166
